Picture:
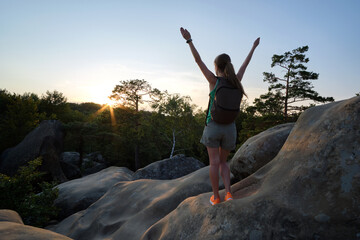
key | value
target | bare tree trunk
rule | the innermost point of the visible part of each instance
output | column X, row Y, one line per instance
column 173, row 146
column 286, row 96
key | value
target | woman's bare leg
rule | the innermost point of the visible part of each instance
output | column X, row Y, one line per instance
column 224, row 168
column 214, row 158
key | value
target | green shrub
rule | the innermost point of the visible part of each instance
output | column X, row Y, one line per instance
column 30, row 196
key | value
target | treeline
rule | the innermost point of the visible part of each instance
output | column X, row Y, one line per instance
column 130, row 137
column 22, row 113
column 173, row 125
column 89, row 127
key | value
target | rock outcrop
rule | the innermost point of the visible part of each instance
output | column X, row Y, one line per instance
column 46, row 141
column 92, row 163
column 72, row 158
column 70, row 170
column 258, row 150
column 12, row 227
column 169, row 168
column 310, row 190
column 79, row 194
column 128, row 209
column 69, row 162
column 10, row 216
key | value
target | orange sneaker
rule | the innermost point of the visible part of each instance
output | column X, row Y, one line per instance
column 228, row 197
column 214, row 201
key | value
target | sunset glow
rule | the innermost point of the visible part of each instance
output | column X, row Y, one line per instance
column 85, row 57
column 110, row 102
column 111, row 110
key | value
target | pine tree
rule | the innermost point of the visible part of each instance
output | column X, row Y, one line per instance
column 295, row 86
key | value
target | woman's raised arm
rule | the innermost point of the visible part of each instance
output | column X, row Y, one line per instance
column 207, row 73
column 243, row 67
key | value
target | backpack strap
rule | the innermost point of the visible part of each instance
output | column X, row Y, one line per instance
column 211, row 102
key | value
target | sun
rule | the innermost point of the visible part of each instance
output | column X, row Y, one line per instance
column 104, row 100
column 110, row 102
column 100, row 94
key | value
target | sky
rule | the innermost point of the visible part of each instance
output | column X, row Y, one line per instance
column 83, row 48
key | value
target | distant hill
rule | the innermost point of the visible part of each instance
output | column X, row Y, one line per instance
column 87, row 108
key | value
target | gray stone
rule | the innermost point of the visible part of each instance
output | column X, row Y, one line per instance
column 311, row 177
column 71, row 158
column 128, row 209
column 322, row 218
column 79, row 194
column 46, row 141
column 255, row 235
column 89, row 166
column 71, row 171
column 92, row 163
column 169, row 168
column 95, row 157
column 258, row 150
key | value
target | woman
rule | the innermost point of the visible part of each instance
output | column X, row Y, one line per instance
column 219, row 139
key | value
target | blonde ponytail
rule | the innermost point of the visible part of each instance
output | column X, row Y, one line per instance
column 223, row 63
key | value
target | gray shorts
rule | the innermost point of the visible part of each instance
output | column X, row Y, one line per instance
column 219, row 135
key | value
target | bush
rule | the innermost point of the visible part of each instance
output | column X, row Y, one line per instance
column 28, row 195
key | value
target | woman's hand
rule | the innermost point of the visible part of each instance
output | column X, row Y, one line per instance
column 207, row 73
column 256, row 43
column 185, row 33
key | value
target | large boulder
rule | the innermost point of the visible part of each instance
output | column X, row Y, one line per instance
column 46, row 141
column 70, row 162
column 90, row 166
column 169, row 168
column 79, row 194
column 16, row 231
column 128, row 209
column 71, row 171
column 95, row 157
column 12, row 227
column 10, row 216
column 310, row 190
column 258, row 150
column 72, row 158
column 92, row 163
